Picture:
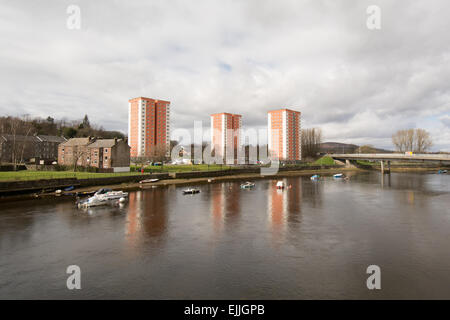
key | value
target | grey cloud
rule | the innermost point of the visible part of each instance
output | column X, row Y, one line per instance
column 243, row 57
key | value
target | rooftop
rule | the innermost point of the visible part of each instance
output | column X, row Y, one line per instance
column 104, row 143
column 77, row 142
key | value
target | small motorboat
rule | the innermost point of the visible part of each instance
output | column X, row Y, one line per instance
column 191, row 191
column 338, row 176
column 149, row 181
column 442, row 171
column 247, row 185
column 69, row 188
column 315, row 177
column 280, row 185
column 102, row 197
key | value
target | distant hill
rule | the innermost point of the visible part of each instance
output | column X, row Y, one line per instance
column 337, row 147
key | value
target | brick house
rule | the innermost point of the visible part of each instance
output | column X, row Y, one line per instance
column 112, row 155
column 74, row 151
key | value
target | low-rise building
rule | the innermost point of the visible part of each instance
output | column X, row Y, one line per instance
column 111, row 155
column 21, row 148
column 74, row 152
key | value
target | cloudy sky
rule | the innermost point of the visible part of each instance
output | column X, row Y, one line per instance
column 248, row 57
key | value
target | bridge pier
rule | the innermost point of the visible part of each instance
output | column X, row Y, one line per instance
column 383, row 170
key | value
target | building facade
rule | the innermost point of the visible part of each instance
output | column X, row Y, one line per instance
column 148, row 127
column 109, row 155
column 37, row 148
column 284, row 135
column 47, row 148
column 75, row 152
column 226, row 134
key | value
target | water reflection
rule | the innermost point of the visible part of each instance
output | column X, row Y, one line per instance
column 225, row 205
column 147, row 217
column 310, row 240
column 284, row 206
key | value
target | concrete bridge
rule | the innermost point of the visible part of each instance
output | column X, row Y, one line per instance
column 388, row 157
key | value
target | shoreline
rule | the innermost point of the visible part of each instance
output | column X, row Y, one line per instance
column 134, row 186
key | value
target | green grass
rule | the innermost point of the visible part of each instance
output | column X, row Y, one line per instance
column 324, row 161
column 135, row 170
column 36, row 175
column 182, row 168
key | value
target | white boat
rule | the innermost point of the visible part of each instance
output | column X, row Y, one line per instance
column 148, row 180
column 247, row 185
column 338, row 175
column 103, row 197
column 191, row 191
column 315, row 177
column 280, row 185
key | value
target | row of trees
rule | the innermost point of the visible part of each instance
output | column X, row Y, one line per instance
column 49, row 126
column 311, row 141
column 21, row 128
column 414, row 140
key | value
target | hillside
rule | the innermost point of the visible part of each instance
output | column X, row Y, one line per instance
column 337, row 147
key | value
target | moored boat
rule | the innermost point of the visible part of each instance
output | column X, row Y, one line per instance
column 247, row 185
column 280, row 185
column 338, row 175
column 191, row 191
column 149, row 181
column 315, row 177
column 102, row 197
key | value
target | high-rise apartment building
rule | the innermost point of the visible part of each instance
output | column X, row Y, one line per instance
column 284, row 134
column 148, row 127
column 226, row 134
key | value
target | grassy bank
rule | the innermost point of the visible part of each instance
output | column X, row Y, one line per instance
column 37, row 175
column 181, row 168
column 135, row 170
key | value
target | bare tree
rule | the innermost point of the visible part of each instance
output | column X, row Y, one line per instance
column 416, row 140
column 79, row 153
column 311, row 140
column 158, row 153
column 423, row 140
column 19, row 130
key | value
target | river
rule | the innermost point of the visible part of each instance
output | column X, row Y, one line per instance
column 313, row 240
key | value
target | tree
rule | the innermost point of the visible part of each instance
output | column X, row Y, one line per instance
column 69, row 132
column 158, row 153
column 79, row 153
column 399, row 140
column 423, row 140
column 19, row 127
column 415, row 140
column 85, row 123
column 311, row 140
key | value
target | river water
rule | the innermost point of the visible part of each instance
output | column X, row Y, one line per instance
column 314, row 240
